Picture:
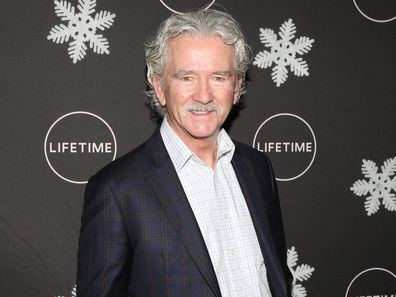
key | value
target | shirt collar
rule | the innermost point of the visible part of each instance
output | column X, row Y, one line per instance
column 179, row 152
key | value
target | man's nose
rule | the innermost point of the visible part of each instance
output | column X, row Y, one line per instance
column 203, row 93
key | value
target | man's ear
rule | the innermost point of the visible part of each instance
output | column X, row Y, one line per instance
column 237, row 90
column 158, row 88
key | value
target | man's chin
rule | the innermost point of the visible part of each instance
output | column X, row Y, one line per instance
column 202, row 134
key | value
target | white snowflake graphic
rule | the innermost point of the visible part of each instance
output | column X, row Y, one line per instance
column 378, row 187
column 73, row 292
column 81, row 27
column 283, row 52
column 300, row 273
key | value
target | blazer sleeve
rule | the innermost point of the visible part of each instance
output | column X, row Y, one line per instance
column 104, row 253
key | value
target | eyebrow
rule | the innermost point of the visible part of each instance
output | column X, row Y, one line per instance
column 223, row 73
column 181, row 73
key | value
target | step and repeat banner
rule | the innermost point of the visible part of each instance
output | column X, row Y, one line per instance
column 320, row 102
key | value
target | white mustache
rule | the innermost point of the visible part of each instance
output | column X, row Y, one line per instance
column 199, row 107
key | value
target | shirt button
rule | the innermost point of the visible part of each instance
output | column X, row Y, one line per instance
column 232, row 252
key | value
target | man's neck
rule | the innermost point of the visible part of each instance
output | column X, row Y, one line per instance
column 206, row 150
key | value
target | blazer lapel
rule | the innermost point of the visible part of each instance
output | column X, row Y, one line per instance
column 167, row 186
column 253, row 193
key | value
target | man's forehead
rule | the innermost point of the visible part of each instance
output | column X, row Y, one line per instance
column 211, row 50
column 185, row 40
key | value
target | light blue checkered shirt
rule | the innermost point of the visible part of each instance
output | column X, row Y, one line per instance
column 222, row 215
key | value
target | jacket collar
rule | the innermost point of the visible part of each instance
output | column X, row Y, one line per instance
column 254, row 190
column 166, row 184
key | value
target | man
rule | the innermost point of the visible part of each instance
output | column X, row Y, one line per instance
column 189, row 212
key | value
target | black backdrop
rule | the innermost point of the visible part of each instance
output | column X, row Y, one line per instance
column 341, row 116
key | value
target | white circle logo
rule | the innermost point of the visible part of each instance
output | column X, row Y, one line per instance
column 372, row 282
column 183, row 6
column 290, row 143
column 360, row 10
column 78, row 144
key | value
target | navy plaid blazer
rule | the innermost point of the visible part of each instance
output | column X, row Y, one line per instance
column 139, row 236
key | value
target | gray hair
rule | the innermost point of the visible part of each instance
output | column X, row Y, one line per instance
column 203, row 22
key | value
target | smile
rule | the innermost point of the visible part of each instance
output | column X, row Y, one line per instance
column 197, row 112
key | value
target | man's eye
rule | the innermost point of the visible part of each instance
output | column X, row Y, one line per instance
column 186, row 78
column 219, row 78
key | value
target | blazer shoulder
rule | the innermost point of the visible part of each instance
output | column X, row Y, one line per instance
column 133, row 164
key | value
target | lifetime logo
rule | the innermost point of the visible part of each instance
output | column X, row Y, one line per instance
column 81, row 147
column 285, row 147
column 78, row 144
column 182, row 3
column 290, row 143
column 379, row 295
column 372, row 282
column 373, row 8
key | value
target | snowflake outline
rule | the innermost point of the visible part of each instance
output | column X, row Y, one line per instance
column 283, row 52
column 378, row 187
column 81, row 28
column 300, row 273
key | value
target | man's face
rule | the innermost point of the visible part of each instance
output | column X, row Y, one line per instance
column 199, row 86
